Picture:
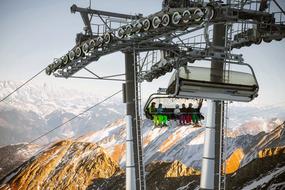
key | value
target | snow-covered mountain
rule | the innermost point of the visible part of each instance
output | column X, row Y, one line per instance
column 185, row 143
column 35, row 109
column 14, row 155
column 44, row 99
column 64, row 165
column 83, row 165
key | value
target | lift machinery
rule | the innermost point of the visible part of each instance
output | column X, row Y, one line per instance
column 182, row 33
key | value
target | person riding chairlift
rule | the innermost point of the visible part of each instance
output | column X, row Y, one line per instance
column 196, row 115
column 162, row 118
column 176, row 113
column 152, row 111
column 190, row 110
column 152, row 108
column 183, row 115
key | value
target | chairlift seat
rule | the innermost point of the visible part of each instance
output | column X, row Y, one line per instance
column 168, row 109
column 195, row 82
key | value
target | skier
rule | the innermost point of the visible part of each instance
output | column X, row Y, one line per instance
column 153, row 112
column 162, row 118
column 176, row 113
column 183, row 115
column 190, row 110
column 196, row 116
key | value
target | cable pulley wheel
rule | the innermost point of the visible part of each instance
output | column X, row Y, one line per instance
column 186, row 16
column 107, row 37
column 137, row 27
column 85, row 48
column 78, row 52
column 57, row 62
column 129, row 29
column 176, row 18
column 146, row 24
column 65, row 59
column 121, row 33
column 198, row 15
column 209, row 13
column 156, row 22
column 100, row 41
column 165, row 20
column 92, row 44
column 71, row 55
column 48, row 70
column 53, row 67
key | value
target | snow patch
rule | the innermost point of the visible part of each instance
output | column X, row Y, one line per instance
column 264, row 180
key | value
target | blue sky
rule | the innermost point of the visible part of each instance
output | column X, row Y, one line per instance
column 34, row 32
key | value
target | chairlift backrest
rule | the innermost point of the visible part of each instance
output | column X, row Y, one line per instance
column 195, row 82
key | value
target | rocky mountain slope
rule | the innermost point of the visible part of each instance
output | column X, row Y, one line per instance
column 65, row 165
column 185, row 143
column 13, row 156
column 69, row 163
column 76, row 165
column 265, row 172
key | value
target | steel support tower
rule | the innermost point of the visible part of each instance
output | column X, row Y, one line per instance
column 217, row 68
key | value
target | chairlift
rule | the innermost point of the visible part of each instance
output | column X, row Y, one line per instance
column 195, row 82
column 168, row 114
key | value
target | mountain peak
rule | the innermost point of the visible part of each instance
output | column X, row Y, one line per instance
column 65, row 164
column 45, row 98
column 178, row 169
column 172, row 169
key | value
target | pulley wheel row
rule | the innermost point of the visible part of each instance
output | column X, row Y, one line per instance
column 80, row 51
column 252, row 36
column 176, row 18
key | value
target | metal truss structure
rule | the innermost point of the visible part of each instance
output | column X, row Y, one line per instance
column 164, row 31
column 178, row 35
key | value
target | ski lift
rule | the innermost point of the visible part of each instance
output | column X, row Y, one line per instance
column 195, row 82
column 168, row 105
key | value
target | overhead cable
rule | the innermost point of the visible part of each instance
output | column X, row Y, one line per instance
column 74, row 117
column 18, row 88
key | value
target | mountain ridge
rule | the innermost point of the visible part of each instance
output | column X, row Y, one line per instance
column 81, row 165
column 35, row 109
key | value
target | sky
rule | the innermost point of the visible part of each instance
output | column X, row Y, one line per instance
column 34, row 32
